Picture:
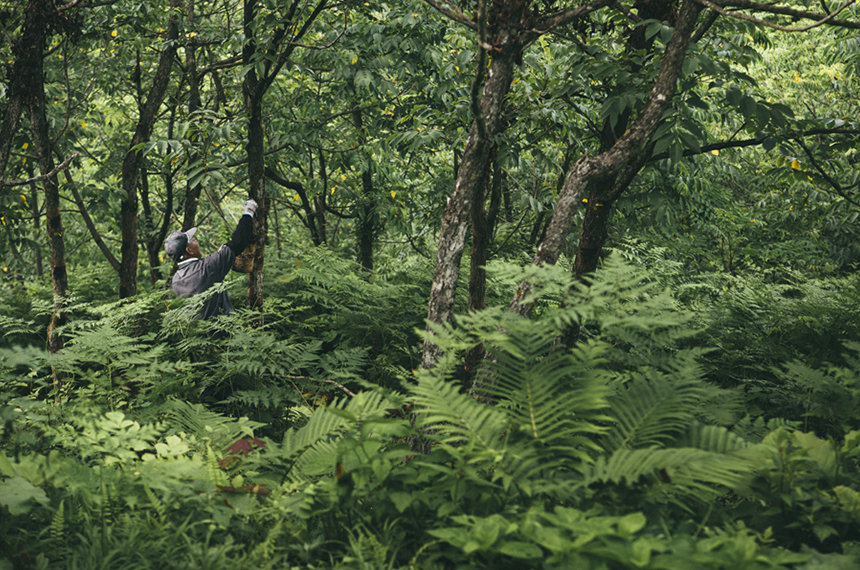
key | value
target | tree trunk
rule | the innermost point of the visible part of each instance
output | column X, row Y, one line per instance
column 133, row 156
column 192, row 188
column 53, row 220
column 28, row 58
column 367, row 222
column 472, row 174
column 37, row 231
column 482, row 232
column 620, row 163
column 253, row 91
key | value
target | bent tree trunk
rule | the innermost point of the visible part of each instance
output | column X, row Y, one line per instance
column 620, row 162
column 133, row 156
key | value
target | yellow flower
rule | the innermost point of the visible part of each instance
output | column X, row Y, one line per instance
column 113, row 34
column 393, row 193
column 25, row 146
column 83, row 124
column 296, row 197
column 715, row 152
column 797, row 78
column 795, row 164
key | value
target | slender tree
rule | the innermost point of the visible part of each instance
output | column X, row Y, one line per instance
column 131, row 164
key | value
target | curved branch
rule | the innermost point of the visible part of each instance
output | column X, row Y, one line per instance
column 836, row 186
column 62, row 166
column 554, row 20
column 453, row 12
column 818, row 19
column 722, row 145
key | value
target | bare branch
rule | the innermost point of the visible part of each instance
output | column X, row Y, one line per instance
column 551, row 21
column 62, row 166
column 453, row 12
column 819, row 19
column 723, row 145
column 836, row 186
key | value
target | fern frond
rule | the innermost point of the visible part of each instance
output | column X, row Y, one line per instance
column 196, row 419
column 455, row 418
column 688, row 471
column 547, row 394
column 310, row 449
column 652, row 410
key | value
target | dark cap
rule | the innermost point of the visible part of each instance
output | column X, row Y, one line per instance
column 176, row 243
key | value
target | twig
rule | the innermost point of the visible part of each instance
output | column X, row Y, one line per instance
column 763, row 8
column 62, row 166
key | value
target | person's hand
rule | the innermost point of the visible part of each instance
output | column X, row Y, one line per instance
column 250, row 207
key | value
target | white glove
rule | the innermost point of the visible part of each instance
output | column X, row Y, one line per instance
column 250, row 207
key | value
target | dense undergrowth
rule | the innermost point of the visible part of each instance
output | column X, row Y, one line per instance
column 700, row 421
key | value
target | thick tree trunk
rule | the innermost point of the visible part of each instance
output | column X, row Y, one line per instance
column 253, row 91
column 133, row 156
column 256, row 188
column 472, row 174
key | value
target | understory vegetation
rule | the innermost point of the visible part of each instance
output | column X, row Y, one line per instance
column 533, row 284
column 707, row 422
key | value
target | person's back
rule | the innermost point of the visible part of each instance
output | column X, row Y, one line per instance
column 196, row 274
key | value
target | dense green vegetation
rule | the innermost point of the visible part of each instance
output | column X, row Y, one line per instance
column 675, row 384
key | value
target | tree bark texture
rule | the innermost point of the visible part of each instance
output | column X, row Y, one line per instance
column 37, row 232
column 472, row 173
column 624, row 157
column 53, row 220
column 253, row 90
column 192, row 188
column 27, row 51
column 367, row 210
column 133, row 157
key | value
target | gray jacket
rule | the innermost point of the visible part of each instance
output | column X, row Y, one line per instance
column 194, row 276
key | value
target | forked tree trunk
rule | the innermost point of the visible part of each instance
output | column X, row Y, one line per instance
column 620, row 163
column 471, row 174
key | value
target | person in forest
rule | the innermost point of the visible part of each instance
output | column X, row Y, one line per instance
column 196, row 274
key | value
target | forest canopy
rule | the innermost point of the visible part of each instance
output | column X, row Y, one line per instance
column 533, row 284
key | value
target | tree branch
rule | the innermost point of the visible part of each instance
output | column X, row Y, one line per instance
column 827, row 177
column 755, row 142
column 453, row 12
column 818, row 19
column 62, row 166
column 551, row 21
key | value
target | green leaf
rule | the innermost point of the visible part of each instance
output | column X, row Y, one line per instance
column 523, row 550
column 748, row 106
column 401, row 500
column 17, row 495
